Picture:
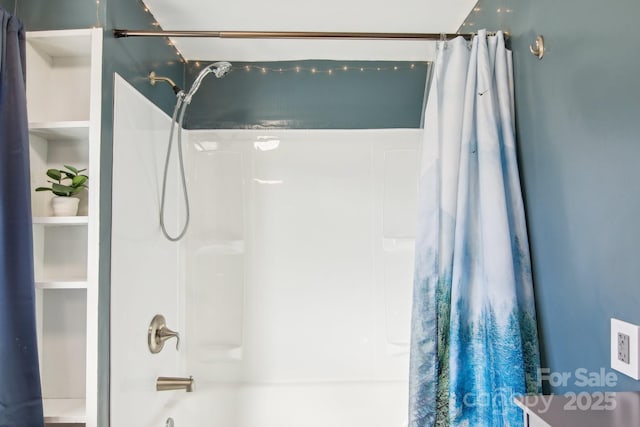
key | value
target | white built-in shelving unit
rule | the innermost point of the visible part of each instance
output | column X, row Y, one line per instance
column 64, row 73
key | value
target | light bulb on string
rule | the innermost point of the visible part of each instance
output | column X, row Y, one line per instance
column 315, row 70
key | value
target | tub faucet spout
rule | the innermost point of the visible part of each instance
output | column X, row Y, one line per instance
column 175, row 383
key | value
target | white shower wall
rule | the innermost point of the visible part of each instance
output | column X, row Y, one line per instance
column 144, row 265
column 293, row 284
column 299, row 272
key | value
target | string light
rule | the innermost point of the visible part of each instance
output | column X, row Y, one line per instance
column 98, row 23
column 315, row 70
column 264, row 70
column 155, row 23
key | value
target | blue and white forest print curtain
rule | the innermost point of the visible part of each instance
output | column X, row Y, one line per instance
column 474, row 342
column 20, row 396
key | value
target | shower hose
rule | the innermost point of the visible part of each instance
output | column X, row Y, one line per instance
column 178, row 113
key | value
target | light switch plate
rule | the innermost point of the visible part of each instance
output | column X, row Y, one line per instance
column 631, row 331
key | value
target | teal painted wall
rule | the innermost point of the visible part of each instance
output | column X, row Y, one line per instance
column 133, row 59
column 578, row 131
column 58, row 14
column 310, row 95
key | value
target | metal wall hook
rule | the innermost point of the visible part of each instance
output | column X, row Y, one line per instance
column 159, row 333
column 537, row 49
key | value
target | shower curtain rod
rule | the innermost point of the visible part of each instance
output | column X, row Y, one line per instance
column 119, row 33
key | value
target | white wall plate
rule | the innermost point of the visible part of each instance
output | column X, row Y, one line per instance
column 632, row 368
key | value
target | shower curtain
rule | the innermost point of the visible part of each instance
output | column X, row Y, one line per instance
column 474, row 342
column 20, row 395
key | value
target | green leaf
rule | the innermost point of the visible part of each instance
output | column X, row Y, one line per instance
column 77, row 184
column 68, row 175
column 54, row 174
column 64, row 189
column 78, row 181
column 72, row 169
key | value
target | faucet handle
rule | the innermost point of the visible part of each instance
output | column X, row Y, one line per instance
column 159, row 333
column 165, row 333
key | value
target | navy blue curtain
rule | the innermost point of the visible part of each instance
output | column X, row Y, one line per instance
column 20, row 394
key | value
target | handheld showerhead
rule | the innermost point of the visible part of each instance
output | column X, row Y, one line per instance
column 219, row 69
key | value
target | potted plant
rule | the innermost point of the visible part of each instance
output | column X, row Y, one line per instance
column 66, row 183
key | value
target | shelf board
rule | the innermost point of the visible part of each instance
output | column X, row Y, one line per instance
column 222, row 247
column 60, row 220
column 64, row 410
column 63, row 130
column 61, row 284
column 63, row 43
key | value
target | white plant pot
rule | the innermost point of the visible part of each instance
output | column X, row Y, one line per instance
column 65, row 206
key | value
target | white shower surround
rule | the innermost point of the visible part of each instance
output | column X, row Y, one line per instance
column 295, row 274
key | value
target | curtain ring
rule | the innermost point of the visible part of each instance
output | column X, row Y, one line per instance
column 443, row 40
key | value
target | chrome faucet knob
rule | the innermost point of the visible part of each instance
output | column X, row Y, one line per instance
column 159, row 333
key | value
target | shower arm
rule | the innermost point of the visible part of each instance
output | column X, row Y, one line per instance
column 153, row 79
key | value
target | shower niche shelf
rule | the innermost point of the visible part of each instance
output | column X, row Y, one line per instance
column 64, row 86
column 394, row 244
